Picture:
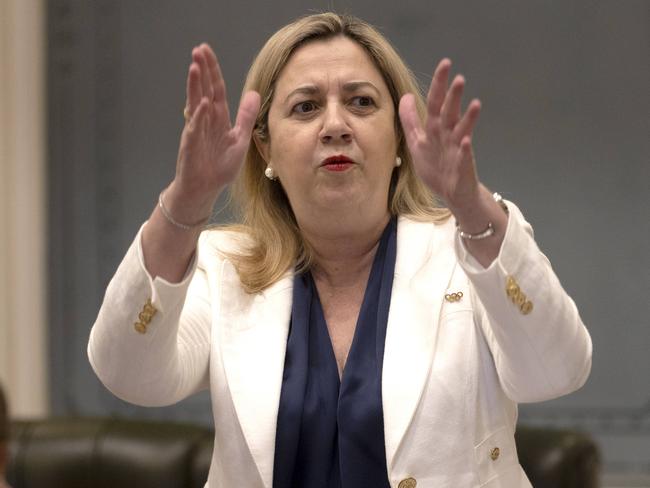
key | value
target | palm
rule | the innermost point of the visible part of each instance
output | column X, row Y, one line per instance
column 441, row 148
column 211, row 150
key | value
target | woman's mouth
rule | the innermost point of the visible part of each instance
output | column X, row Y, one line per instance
column 337, row 163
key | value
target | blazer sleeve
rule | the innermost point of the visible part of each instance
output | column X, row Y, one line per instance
column 541, row 348
column 150, row 343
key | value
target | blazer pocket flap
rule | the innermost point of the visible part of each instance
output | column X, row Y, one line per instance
column 495, row 455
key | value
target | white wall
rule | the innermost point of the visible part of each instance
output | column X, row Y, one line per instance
column 23, row 353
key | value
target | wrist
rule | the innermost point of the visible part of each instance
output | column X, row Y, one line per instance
column 184, row 206
column 473, row 215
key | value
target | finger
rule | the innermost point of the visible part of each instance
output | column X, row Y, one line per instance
column 249, row 107
column 196, row 62
column 212, row 78
column 411, row 123
column 206, row 84
column 217, row 83
column 467, row 161
column 450, row 112
column 193, row 89
column 465, row 126
column 216, row 77
column 201, row 114
column 438, row 87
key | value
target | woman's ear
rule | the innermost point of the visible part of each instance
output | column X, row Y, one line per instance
column 263, row 146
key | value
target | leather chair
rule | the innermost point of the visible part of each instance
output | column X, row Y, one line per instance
column 554, row 458
column 105, row 452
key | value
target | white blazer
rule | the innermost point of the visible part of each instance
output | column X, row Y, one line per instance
column 453, row 370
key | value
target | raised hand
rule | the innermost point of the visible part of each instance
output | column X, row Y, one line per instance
column 443, row 157
column 210, row 155
column 211, row 150
column 442, row 147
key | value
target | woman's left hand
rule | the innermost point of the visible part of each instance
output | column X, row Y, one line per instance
column 443, row 157
column 442, row 147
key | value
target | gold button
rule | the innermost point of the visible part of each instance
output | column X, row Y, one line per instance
column 526, row 307
column 408, row 483
column 149, row 308
column 144, row 317
column 494, row 453
column 515, row 296
column 521, row 299
column 512, row 288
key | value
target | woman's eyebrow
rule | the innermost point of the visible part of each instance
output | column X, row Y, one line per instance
column 304, row 90
column 348, row 87
column 353, row 86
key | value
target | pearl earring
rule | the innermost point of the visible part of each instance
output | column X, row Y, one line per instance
column 398, row 162
column 269, row 173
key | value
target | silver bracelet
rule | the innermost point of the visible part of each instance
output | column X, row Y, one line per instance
column 171, row 220
column 489, row 231
column 481, row 235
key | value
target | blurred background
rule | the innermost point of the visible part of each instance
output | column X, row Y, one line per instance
column 91, row 100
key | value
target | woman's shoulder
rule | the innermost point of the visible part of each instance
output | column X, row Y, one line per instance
column 425, row 225
column 218, row 242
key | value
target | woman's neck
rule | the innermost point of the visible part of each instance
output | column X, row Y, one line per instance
column 344, row 251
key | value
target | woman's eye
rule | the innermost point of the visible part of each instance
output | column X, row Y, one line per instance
column 304, row 107
column 363, row 101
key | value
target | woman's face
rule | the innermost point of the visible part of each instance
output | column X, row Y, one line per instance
column 332, row 139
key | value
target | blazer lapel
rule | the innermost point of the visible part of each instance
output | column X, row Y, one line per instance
column 423, row 268
column 253, row 340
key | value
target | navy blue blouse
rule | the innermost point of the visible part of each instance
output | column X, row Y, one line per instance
column 330, row 433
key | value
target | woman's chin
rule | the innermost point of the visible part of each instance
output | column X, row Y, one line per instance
column 341, row 200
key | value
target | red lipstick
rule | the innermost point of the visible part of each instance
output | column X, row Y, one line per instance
column 337, row 163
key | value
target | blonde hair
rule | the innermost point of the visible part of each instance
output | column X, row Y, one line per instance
column 276, row 244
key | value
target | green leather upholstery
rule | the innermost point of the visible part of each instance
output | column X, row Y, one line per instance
column 98, row 453
column 104, row 452
column 554, row 458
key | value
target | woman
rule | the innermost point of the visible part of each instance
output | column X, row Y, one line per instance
column 350, row 332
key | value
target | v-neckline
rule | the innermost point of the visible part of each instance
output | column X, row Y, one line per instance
column 327, row 419
column 374, row 269
column 322, row 320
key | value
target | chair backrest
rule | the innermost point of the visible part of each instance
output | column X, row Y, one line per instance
column 558, row 458
column 98, row 453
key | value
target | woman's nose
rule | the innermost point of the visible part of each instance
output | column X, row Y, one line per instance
column 335, row 127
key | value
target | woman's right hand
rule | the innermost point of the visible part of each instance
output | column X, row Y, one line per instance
column 210, row 155
column 211, row 150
